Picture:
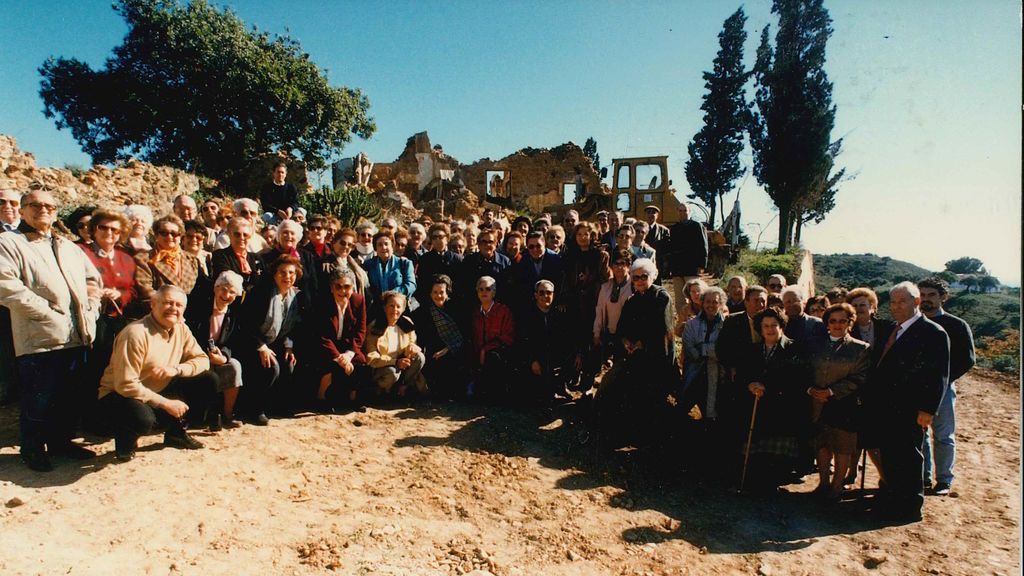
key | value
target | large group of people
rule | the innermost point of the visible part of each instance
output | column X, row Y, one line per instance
column 201, row 317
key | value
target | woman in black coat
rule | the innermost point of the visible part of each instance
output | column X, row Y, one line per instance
column 442, row 341
column 236, row 257
column 771, row 374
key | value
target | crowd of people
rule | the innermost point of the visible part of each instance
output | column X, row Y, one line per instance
column 213, row 315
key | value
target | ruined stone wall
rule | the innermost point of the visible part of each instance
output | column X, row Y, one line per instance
column 536, row 174
column 133, row 183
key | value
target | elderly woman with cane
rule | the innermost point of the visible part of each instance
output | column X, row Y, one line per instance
column 775, row 398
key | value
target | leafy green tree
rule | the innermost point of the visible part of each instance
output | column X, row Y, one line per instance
column 965, row 265
column 192, row 87
column 790, row 131
column 590, row 151
column 714, row 163
column 987, row 283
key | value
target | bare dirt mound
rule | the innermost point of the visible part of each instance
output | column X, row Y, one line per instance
column 452, row 489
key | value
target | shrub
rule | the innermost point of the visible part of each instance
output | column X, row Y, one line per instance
column 764, row 264
column 347, row 203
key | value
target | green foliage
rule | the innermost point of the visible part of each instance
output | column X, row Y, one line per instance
column 590, row 151
column 763, row 264
column 790, row 131
column 77, row 170
column 1002, row 353
column 854, row 270
column 347, row 203
column 714, row 162
column 965, row 265
column 192, row 87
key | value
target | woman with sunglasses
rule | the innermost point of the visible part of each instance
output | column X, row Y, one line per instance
column 78, row 224
column 648, row 371
column 236, row 257
column 167, row 263
column 342, row 245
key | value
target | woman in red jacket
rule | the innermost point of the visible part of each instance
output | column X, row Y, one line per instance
column 494, row 333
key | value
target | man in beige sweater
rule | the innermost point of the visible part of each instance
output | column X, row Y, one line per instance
column 156, row 372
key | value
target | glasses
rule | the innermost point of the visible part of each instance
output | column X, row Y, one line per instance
column 441, row 235
column 109, row 228
column 623, row 234
column 40, row 206
column 316, row 228
column 620, row 263
column 639, row 277
column 485, row 289
column 210, row 208
column 81, row 225
column 248, row 213
column 775, row 286
column 546, row 292
column 7, row 201
column 839, row 320
column 342, row 243
column 172, row 233
column 483, row 241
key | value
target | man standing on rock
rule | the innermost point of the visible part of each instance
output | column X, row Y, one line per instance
column 685, row 254
column 279, row 199
column 53, row 292
column 156, row 362
column 934, row 293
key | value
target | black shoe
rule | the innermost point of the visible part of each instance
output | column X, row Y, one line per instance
column 261, row 419
column 214, row 424
column 37, row 460
column 231, row 423
column 124, row 450
column 941, row 489
column 73, row 451
column 182, row 441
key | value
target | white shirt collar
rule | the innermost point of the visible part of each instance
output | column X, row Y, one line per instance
column 903, row 327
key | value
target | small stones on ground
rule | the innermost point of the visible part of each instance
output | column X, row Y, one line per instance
column 572, row 555
column 15, row 502
column 765, row 570
column 874, row 558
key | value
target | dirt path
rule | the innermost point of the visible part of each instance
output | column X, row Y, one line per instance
column 449, row 489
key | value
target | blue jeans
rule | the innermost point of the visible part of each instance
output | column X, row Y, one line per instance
column 943, row 432
column 48, row 385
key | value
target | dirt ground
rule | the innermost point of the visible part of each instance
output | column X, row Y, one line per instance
column 449, row 489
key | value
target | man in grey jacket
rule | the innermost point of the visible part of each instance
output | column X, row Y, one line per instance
column 52, row 291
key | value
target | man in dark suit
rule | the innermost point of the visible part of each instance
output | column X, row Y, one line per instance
column 486, row 261
column 538, row 265
column 805, row 330
column 934, row 293
column 910, row 379
column 684, row 253
column 736, row 338
column 438, row 260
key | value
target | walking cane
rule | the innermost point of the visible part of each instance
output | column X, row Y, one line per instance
column 863, row 468
column 750, row 436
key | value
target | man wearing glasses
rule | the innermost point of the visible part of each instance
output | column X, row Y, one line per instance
column 52, row 291
column 10, row 203
column 245, row 208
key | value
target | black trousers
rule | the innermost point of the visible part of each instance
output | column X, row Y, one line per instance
column 342, row 385
column 131, row 418
column 903, row 465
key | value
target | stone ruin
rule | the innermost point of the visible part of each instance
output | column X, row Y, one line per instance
column 134, row 182
column 433, row 181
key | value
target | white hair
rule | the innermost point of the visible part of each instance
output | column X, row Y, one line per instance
column 229, row 278
column 541, row 283
column 416, row 226
column 290, row 225
column 796, row 290
column 780, row 277
column 244, row 203
column 485, row 282
column 141, row 212
column 366, row 226
column 908, row 287
column 184, row 198
column 166, row 289
column 645, row 265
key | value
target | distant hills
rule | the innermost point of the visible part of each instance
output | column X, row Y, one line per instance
column 853, row 270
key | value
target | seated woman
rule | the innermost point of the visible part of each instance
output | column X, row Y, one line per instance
column 213, row 328
column 494, row 334
column 340, row 326
column 289, row 233
column 264, row 341
column 117, row 268
column 236, row 257
column 772, row 374
column 167, row 263
column 442, row 341
column 839, row 368
column 391, row 351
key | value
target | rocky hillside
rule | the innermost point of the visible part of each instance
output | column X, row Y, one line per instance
column 132, row 183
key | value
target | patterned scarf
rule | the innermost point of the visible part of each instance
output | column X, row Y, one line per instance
column 168, row 257
column 243, row 262
column 446, row 328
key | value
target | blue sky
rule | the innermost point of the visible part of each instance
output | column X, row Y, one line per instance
column 928, row 96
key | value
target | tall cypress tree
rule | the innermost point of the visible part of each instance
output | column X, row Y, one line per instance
column 714, row 163
column 791, row 128
column 590, row 151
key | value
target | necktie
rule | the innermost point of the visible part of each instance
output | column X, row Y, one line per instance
column 889, row 343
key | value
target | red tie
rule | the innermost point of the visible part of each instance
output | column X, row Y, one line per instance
column 889, row 343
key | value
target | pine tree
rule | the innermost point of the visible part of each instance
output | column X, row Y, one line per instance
column 790, row 131
column 714, row 163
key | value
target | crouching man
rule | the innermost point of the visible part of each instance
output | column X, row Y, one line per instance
column 156, row 372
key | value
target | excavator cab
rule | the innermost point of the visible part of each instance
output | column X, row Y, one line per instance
column 641, row 182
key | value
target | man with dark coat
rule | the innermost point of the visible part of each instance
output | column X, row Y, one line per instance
column 545, row 346
column 909, row 382
column 539, row 264
column 279, row 199
column 486, row 261
column 685, row 254
column 438, row 260
column 934, row 293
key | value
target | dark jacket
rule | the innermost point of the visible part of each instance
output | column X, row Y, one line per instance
column 686, row 251
column 353, row 330
column 805, row 330
column 309, row 283
column 431, row 264
column 525, row 276
column 961, row 344
column 198, row 321
column 274, row 197
column 783, row 409
column 913, row 375
column 544, row 337
column 248, row 337
column 647, row 318
column 734, row 340
column 841, row 367
column 225, row 259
